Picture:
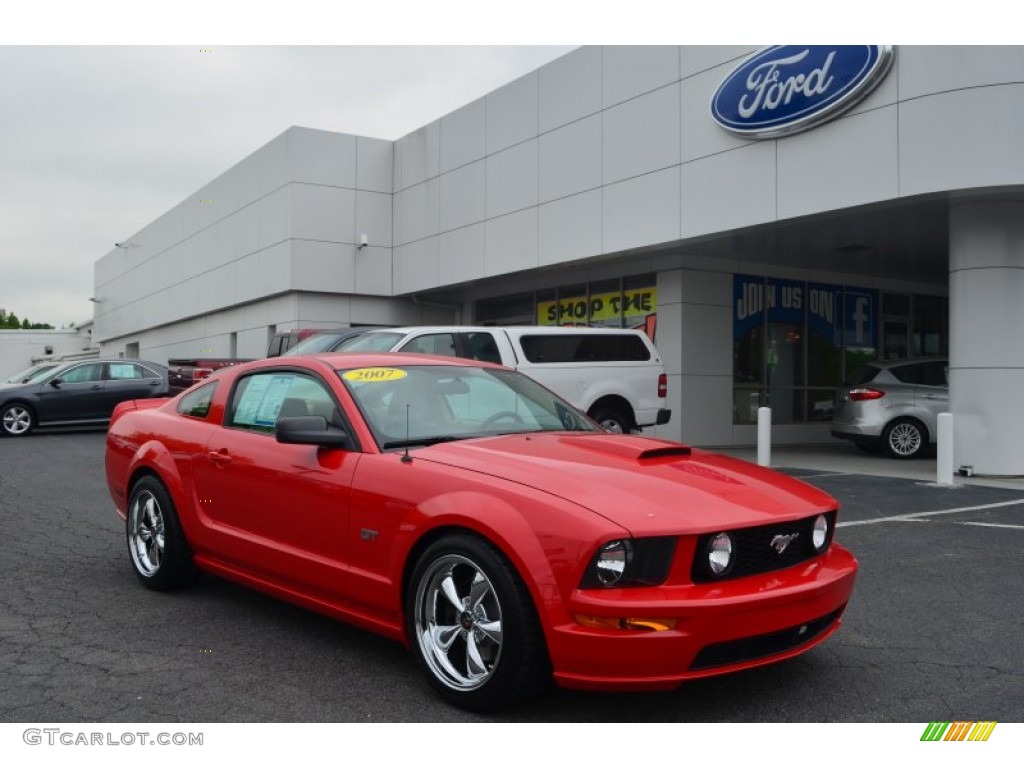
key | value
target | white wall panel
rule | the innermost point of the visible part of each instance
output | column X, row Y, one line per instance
column 416, row 212
column 512, row 113
column 322, row 266
column 275, row 167
column 630, row 70
column 512, row 179
column 928, row 69
column 642, row 135
column 850, row 161
column 373, row 271
column 694, row 59
column 706, row 339
column 323, row 157
column 247, row 229
column 570, row 87
column 570, row 159
column 729, row 189
column 701, row 287
column 373, row 218
column 511, row 243
column 420, row 155
column 462, row 136
column 570, row 228
column 322, row 213
column 701, row 135
column 705, row 417
column 416, row 265
column 463, row 196
column 462, row 255
column 642, row 211
column 961, row 139
column 273, row 217
column 374, row 158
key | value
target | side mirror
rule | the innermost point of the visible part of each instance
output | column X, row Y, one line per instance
column 55, row 383
column 310, row 430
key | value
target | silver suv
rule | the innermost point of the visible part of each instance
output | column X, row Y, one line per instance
column 893, row 406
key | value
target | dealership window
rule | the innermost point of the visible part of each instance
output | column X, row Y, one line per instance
column 795, row 342
column 629, row 302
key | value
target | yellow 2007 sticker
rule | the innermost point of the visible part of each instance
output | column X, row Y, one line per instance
column 374, row 374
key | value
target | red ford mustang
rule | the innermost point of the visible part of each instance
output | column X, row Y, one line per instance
column 469, row 512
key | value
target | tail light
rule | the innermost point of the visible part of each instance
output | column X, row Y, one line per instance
column 201, row 373
column 865, row 393
column 662, row 385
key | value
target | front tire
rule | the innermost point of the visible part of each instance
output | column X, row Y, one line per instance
column 17, row 420
column 159, row 554
column 905, row 438
column 473, row 626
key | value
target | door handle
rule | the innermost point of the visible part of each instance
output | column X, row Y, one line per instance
column 220, row 458
column 96, row 386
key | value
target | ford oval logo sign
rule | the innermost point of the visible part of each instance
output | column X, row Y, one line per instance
column 789, row 88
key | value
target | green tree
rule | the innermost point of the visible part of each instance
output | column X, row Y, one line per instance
column 12, row 321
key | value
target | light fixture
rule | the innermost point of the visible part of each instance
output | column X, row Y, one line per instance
column 363, row 241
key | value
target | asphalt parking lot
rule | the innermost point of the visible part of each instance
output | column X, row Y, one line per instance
column 934, row 630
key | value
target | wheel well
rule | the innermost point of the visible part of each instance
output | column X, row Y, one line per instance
column 137, row 475
column 617, row 402
column 421, row 546
column 22, row 403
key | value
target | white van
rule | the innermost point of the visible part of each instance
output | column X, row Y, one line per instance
column 615, row 375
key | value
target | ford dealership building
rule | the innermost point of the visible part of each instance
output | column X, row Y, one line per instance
column 772, row 216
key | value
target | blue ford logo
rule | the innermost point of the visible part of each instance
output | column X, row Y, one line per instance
column 789, row 88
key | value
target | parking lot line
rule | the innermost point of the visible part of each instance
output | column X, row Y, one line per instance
column 996, row 525
column 915, row 515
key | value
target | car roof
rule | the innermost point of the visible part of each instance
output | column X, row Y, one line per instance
column 538, row 329
column 886, row 364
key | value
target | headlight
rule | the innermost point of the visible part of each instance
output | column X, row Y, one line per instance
column 630, row 563
column 611, row 561
column 819, row 533
column 720, row 553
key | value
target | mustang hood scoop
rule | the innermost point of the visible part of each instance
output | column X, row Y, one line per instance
column 646, row 485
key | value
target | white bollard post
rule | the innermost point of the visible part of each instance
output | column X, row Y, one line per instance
column 764, row 436
column 944, row 457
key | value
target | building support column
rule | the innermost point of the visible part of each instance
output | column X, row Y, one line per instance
column 986, row 335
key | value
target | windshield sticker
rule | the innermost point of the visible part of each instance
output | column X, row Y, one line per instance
column 374, row 374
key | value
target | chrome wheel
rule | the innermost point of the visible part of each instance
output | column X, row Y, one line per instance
column 146, row 534
column 612, row 425
column 458, row 622
column 17, row 420
column 904, row 439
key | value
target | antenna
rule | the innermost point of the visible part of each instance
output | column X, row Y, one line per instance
column 406, row 458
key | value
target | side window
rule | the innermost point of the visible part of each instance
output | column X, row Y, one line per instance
column 935, row 374
column 197, row 403
column 584, row 348
column 432, row 344
column 909, row 374
column 261, row 399
column 92, row 372
column 481, row 346
column 119, row 371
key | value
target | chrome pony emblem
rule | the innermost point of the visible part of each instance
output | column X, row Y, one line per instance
column 781, row 542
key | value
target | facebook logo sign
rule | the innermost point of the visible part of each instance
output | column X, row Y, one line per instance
column 859, row 317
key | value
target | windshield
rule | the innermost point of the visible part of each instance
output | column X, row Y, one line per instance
column 372, row 342
column 421, row 405
column 322, row 342
column 30, row 375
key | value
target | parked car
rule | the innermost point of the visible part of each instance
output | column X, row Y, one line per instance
column 283, row 341
column 327, row 340
column 615, row 375
column 78, row 393
column 893, row 406
column 465, row 510
column 31, row 373
column 184, row 372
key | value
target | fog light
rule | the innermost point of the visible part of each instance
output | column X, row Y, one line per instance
column 614, row 622
column 819, row 534
column 720, row 553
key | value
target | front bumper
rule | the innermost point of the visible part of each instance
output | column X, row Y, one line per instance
column 721, row 627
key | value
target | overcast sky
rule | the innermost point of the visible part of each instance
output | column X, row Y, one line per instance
column 97, row 142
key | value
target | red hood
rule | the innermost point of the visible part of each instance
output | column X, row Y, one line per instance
column 650, row 487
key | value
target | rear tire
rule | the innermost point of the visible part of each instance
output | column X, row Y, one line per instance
column 156, row 544
column 611, row 419
column 905, row 438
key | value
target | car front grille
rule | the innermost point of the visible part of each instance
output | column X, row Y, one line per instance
column 754, row 551
column 760, row 646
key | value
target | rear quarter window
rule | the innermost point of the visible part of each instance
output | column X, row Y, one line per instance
column 584, row 348
column 197, row 404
